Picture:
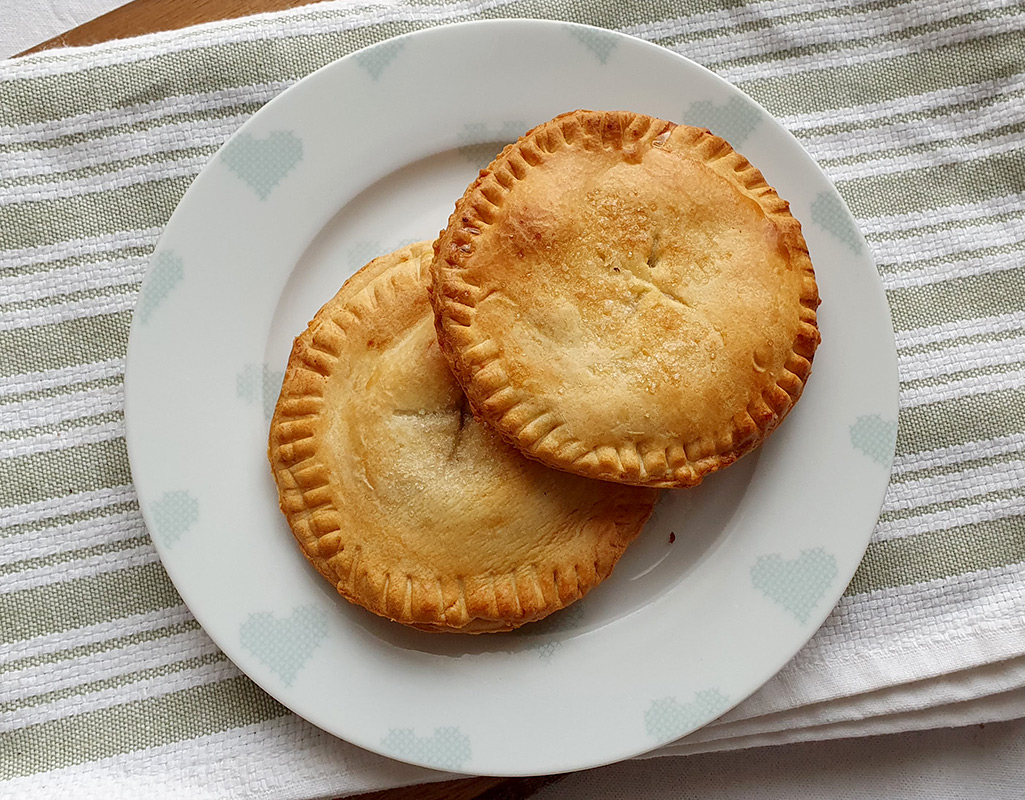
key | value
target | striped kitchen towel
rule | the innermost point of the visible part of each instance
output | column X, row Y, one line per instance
column 915, row 108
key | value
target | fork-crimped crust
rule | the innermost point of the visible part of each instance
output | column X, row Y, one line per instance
column 401, row 500
column 627, row 299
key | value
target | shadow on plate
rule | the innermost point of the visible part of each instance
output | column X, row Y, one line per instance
column 686, row 527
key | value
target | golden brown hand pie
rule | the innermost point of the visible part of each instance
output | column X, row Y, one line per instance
column 626, row 299
column 406, row 504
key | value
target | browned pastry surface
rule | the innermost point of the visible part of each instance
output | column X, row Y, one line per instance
column 401, row 500
column 626, row 299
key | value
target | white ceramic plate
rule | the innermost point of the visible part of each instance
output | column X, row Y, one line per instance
column 369, row 153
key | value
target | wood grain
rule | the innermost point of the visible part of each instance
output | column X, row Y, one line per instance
column 152, row 16
column 467, row 789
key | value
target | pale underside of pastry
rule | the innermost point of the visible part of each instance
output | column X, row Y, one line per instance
column 627, row 299
column 401, row 500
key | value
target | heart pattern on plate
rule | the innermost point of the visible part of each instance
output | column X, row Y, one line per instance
column 284, row 645
column 173, row 514
column 480, row 143
column 446, row 748
column 361, row 251
column 875, row 437
column 796, row 584
column 667, row 719
column 733, row 120
column 377, row 58
column 829, row 213
column 263, row 163
column 600, row 43
column 552, row 628
column 166, row 271
column 258, row 383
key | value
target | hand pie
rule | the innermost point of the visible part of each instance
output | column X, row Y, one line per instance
column 627, row 299
column 405, row 503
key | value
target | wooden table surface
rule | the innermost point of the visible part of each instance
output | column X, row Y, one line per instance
column 150, row 16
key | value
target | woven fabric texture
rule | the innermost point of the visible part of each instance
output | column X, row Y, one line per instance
column 915, row 108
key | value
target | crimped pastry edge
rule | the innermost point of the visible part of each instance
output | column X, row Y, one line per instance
column 531, row 425
column 467, row 604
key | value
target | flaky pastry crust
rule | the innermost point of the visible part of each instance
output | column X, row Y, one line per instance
column 401, row 500
column 627, row 299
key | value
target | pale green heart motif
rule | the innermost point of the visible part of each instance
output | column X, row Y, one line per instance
column 284, row 645
column 667, row 719
column 875, row 437
column 376, row 59
column 173, row 514
column 362, row 251
column 480, row 143
column 552, row 628
column 734, row 120
column 258, row 383
column 546, row 650
column 601, row 43
column 796, row 584
column 165, row 272
column 263, row 163
column 830, row 214
column 446, row 748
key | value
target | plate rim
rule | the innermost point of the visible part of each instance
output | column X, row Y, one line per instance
column 133, row 437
